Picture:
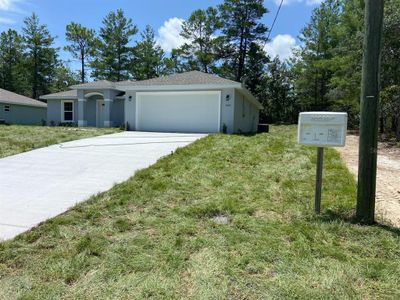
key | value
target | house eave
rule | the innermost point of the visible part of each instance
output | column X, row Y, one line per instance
column 179, row 87
column 23, row 104
column 49, row 97
column 250, row 96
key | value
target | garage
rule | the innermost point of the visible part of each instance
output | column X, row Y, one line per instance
column 197, row 112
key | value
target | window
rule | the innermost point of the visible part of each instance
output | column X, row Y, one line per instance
column 7, row 108
column 68, row 111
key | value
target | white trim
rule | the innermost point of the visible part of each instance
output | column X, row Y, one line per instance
column 137, row 111
column 183, row 87
column 88, row 95
column 58, row 97
column 178, row 92
column 63, row 111
column 24, row 104
column 219, row 111
column 249, row 96
column 219, row 93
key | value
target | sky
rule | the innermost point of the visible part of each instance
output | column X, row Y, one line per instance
column 165, row 16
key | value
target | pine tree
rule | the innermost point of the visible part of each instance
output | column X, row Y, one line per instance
column 10, row 60
column 319, row 40
column 112, row 58
column 256, row 67
column 40, row 56
column 148, row 57
column 82, row 44
column 200, row 30
column 63, row 78
column 276, row 94
column 241, row 27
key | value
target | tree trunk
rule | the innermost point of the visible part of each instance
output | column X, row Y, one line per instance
column 35, row 74
column 83, row 65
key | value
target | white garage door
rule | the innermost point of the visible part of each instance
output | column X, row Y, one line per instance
column 178, row 111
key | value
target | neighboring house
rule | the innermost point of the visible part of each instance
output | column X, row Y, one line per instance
column 17, row 109
column 186, row 102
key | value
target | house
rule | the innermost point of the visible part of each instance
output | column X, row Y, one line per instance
column 18, row 109
column 186, row 102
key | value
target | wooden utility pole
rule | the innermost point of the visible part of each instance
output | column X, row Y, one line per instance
column 369, row 111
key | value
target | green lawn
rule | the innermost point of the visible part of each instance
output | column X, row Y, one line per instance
column 15, row 139
column 156, row 235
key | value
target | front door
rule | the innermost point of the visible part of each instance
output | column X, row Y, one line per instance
column 100, row 113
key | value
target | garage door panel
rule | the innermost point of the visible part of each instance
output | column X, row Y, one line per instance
column 178, row 112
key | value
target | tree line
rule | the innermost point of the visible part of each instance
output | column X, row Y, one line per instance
column 327, row 69
column 224, row 40
column 228, row 40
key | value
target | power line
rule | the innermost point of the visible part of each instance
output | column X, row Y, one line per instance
column 273, row 23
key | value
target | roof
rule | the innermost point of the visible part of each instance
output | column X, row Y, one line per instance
column 187, row 78
column 100, row 84
column 71, row 94
column 13, row 98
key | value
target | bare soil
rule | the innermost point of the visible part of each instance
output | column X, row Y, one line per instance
column 387, row 208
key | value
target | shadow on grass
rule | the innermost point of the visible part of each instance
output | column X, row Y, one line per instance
column 349, row 217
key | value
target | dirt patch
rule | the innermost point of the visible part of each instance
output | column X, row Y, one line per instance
column 388, row 178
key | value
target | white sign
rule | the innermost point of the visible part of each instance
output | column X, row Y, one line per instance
column 322, row 129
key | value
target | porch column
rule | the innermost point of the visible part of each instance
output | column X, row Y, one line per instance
column 82, row 121
column 107, row 112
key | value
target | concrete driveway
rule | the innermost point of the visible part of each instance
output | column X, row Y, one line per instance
column 43, row 183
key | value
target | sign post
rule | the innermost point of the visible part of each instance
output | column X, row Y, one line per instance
column 318, row 180
column 321, row 129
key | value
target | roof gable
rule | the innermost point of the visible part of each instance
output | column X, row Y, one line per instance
column 13, row 98
column 99, row 84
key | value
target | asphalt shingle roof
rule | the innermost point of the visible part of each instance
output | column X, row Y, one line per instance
column 188, row 78
column 71, row 93
column 95, row 84
column 13, row 98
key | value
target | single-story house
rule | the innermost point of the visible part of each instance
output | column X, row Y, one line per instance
column 18, row 109
column 186, row 102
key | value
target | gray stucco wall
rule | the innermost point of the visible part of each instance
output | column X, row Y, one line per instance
column 91, row 111
column 246, row 115
column 54, row 111
column 23, row 115
column 227, row 109
column 130, row 109
column 117, row 112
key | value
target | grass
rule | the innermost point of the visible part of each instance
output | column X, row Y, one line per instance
column 15, row 139
column 156, row 236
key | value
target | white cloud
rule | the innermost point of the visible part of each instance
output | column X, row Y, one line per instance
column 10, row 10
column 10, row 5
column 308, row 2
column 282, row 45
column 169, row 34
column 6, row 5
column 6, row 21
